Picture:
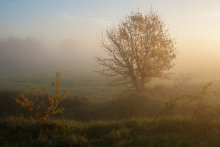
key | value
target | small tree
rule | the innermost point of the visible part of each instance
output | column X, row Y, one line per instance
column 139, row 49
column 40, row 103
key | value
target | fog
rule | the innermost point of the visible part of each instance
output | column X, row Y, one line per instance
column 38, row 38
column 26, row 56
column 29, row 55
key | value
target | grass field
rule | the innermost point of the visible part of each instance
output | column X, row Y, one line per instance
column 164, row 132
column 95, row 117
column 84, row 86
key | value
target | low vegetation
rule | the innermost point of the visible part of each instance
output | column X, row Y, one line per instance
column 128, row 120
column 40, row 103
column 165, row 132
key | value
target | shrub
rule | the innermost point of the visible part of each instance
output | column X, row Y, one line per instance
column 40, row 103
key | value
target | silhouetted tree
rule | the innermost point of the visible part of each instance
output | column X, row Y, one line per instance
column 139, row 49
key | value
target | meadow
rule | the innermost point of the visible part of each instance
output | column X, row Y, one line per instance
column 136, row 132
column 95, row 116
column 109, row 73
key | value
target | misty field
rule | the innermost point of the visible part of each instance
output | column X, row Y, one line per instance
column 137, row 73
column 154, row 120
column 85, row 86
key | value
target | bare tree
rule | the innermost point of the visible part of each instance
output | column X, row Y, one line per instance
column 138, row 50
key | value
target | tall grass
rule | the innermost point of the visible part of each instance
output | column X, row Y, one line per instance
column 165, row 132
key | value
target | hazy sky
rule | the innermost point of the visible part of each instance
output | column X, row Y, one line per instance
column 65, row 34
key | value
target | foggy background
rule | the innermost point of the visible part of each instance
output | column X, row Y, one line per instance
column 38, row 38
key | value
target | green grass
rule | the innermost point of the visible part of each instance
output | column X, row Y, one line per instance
column 166, row 132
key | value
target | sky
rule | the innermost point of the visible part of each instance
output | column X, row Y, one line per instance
column 64, row 35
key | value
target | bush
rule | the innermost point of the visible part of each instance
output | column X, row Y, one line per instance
column 40, row 103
